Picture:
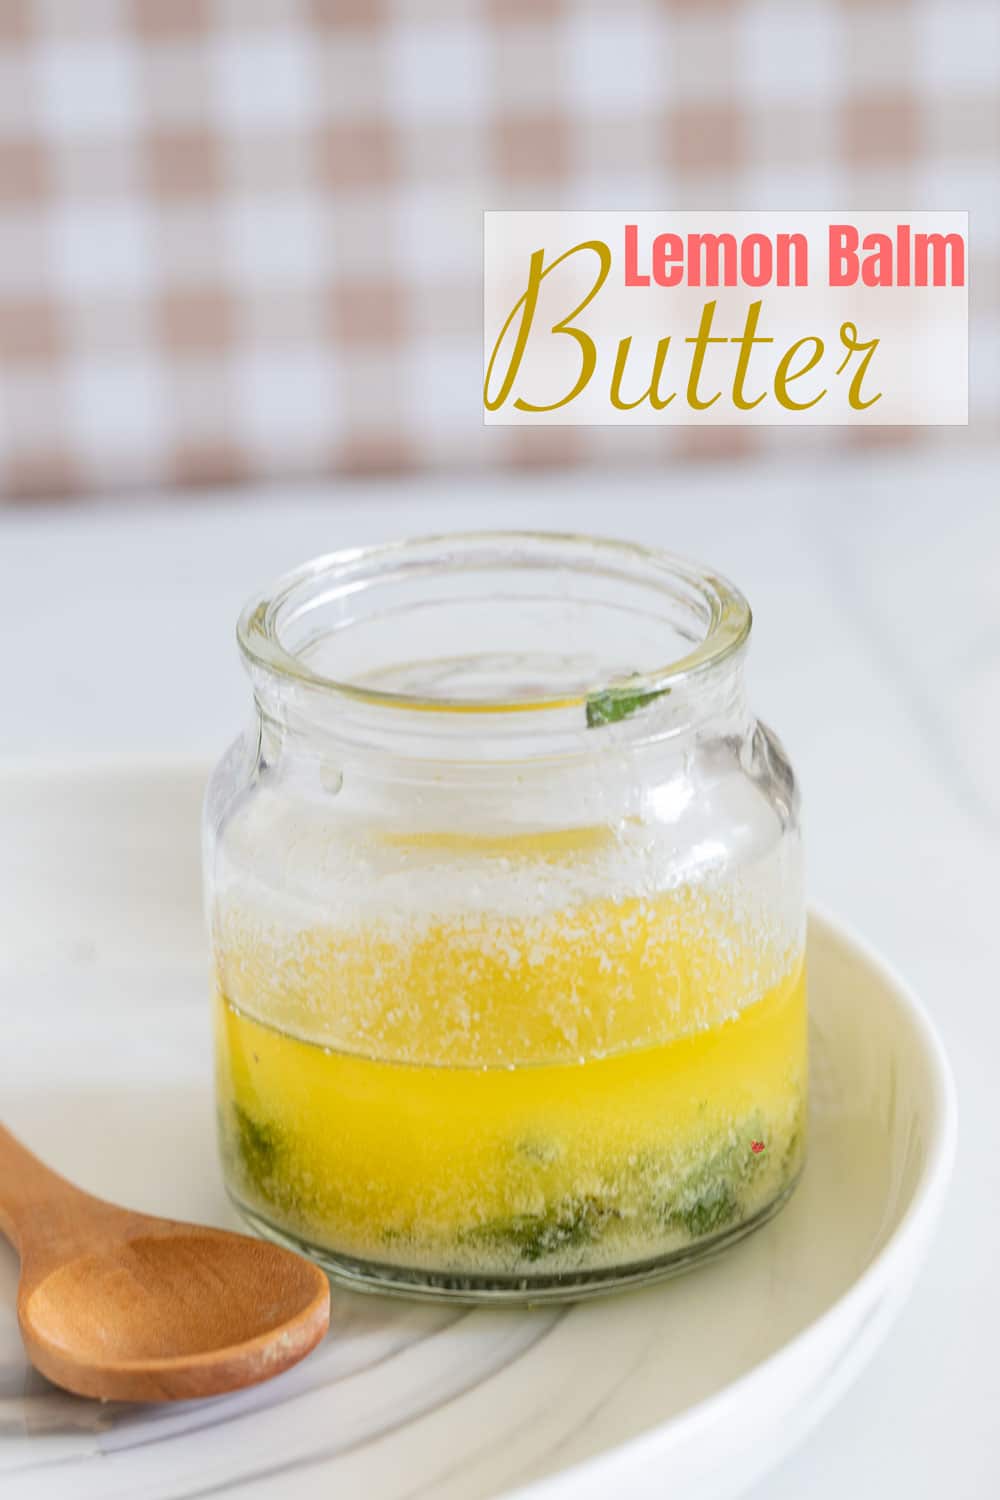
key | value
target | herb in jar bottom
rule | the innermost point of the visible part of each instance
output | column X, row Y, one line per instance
column 535, row 1168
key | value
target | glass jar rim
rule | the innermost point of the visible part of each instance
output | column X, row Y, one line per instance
column 346, row 570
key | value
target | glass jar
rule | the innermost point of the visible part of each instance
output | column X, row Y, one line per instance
column 505, row 891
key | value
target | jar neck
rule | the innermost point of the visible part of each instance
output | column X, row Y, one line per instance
column 485, row 650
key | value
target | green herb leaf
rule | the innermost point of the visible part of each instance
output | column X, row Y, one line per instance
column 257, row 1146
column 617, row 703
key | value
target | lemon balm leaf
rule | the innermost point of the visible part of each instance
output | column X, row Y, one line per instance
column 617, row 703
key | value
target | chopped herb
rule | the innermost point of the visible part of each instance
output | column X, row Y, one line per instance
column 708, row 1198
column 714, row 1208
column 648, row 1191
column 617, row 703
column 571, row 1222
column 258, row 1146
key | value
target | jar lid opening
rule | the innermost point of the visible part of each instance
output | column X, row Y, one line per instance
column 495, row 623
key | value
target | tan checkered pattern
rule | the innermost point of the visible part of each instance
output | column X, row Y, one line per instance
column 242, row 238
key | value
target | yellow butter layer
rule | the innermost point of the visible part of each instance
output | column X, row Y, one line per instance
column 480, row 989
column 607, row 1147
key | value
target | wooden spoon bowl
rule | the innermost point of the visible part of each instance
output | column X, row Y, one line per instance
column 127, row 1307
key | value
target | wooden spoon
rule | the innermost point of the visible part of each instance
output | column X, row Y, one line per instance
column 131, row 1308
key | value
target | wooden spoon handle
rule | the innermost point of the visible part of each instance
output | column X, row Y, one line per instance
column 29, row 1191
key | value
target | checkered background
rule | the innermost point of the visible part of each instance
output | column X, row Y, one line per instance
column 242, row 238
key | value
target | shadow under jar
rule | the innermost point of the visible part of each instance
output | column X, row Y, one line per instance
column 505, row 891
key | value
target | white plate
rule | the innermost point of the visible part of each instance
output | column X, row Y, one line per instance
column 692, row 1388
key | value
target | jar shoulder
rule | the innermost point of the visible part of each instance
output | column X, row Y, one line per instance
column 733, row 802
column 770, row 770
column 230, row 784
column 728, row 803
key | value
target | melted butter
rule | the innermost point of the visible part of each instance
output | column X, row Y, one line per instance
column 593, row 1084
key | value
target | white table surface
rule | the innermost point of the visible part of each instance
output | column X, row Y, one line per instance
column 876, row 589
